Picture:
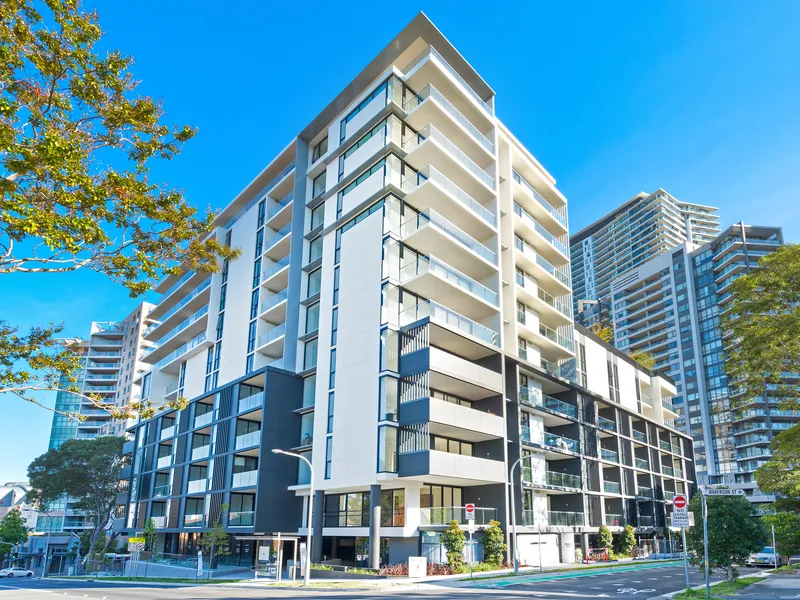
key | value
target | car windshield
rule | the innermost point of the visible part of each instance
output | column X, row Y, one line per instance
column 768, row 550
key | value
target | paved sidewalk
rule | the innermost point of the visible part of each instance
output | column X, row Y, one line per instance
column 774, row 587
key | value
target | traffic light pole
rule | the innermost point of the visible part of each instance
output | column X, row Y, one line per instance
column 705, row 544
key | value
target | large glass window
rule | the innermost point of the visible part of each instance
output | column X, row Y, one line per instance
column 347, row 510
column 319, row 150
column 310, row 354
column 317, row 216
column 393, row 508
column 314, row 282
column 318, row 185
column 387, row 449
column 312, row 317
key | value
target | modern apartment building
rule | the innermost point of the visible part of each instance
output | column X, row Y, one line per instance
column 111, row 360
column 670, row 306
column 401, row 316
column 642, row 228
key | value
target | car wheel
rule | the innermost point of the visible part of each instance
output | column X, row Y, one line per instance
column 10, row 575
column 29, row 575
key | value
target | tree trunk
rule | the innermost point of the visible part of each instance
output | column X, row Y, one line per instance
column 729, row 573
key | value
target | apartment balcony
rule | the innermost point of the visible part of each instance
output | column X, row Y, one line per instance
column 609, row 455
column 276, row 243
column 552, row 218
column 545, row 243
column 275, row 274
column 248, row 440
column 186, row 330
column 250, row 402
column 159, row 522
column 280, row 213
column 666, row 403
column 615, row 520
column 453, row 330
column 102, row 367
column 244, row 518
column 430, row 67
column 100, row 377
column 434, row 466
column 180, row 289
column 431, row 233
column 204, row 419
column 642, row 463
column 171, row 362
column 560, row 518
column 161, row 491
column 452, row 420
column 643, row 492
column 430, row 147
column 430, row 277
column 555, row 312
column 554, row 346
column 272, row 342
column 554, row 445
column 188, row 306
column 564, row 483
column 100, row 389
column 194, row 520
column 431, row 106
column 102, row 356
column 196, row 486
column 612, row 487
column 201, row 452
column 442, row 516
column 273, row 308
column 245, row 479
column 430, row 189
column 555, row 411
column 163, row 462
column 554, row 280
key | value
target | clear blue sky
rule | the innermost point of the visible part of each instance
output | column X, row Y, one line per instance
column 613, row 98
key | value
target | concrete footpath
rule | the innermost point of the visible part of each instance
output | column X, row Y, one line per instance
column 774, row 587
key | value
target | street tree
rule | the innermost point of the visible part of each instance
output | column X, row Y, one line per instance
column 215, row 541
column 453, row 540
column 86, row 471
column 77, row 144
column 764, row 319
column 787, row 531
column 734, row 533
column 150, row 533
column 12, row 532
column 780, row 475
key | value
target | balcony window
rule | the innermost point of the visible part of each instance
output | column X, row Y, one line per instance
column 318, row 185
column 319, row 150
column 347, row 510
column 393, row 508
column 312, row 318
column 248, row 433
column 201, row 445
column 309, row 390
column 387, row 410
column 314, row 282
column 164, row 456
column 451, row 446
column 203, row 414
column 194, row 512
column 245, row 470
column 437, row 496
column 242, row 510
column 310, row 354
column 387, row 449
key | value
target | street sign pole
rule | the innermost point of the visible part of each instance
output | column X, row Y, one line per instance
column 705, row 544
column 685, row 557
column 774, row 548
column 471, row 547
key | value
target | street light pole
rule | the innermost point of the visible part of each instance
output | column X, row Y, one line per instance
column 307, row 574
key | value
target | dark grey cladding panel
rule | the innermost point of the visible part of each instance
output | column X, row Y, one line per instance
column 174, row 510
column 491, row 449
column 223, row 436
column 152, row 432
column 225, row 406
column 595, row 516
column 492, row 496
column 185, row 419
column 218, row 479
column 215, row 509
column 415, row 362
column 417, row 411
column 144, row 487
column 413, row 464
column 180, row 451
column 277, row 508
column 149, row 458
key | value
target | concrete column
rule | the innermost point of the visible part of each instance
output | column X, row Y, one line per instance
column 375, row 526
column 585, row 545
column 316, row 534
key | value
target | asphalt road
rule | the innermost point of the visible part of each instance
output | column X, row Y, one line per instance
column 640, row 583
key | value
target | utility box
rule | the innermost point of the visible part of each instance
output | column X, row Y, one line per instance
column 417, row 566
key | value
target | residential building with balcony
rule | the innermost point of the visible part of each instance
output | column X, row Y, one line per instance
column 670, row 306
column 640, row 229
column 400, row 258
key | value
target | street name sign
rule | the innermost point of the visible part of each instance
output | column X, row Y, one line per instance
column 722, row 492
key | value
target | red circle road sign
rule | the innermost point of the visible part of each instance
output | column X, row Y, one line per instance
column 469, row 509
column 679, row 501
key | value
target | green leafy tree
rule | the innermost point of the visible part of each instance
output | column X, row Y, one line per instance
column 787, row 531
column 764, row 318
column 453, row 541
column 149, row 534
column 86, row 471
column 12, row 532
column 780, row 475
column 215, row 541
column 494, row 544
column 734, row 533
column 77, row 143
column 605, row 539
column 628, row 541
column 644, row 358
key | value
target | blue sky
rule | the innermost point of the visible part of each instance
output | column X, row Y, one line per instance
column 613, row 98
